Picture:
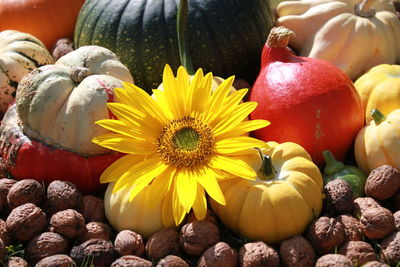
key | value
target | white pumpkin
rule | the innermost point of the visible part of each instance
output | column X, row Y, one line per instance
column 20, row 53
column 352, row 34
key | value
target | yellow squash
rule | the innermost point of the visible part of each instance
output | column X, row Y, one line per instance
column 379, row 88
column 379, row 142
column 281, row 202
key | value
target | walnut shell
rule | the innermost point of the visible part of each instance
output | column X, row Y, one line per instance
column 297, row 251
column 5, row 185
column 211, row 217
column 163, row 243
column 172, row 261
column 62, row 195
column 375, row 264
column 46, row 244
column 197, row 236
column 377, row 223
column 26, row 221
column 128, row 242
column 95, row 230
column 93, row 209
column 396, row 217
column 390, row 249
column 219, row 255
column 258, row 254
column 383, row 182
column 337, row 260
column 339, row 197
column 362, row 204
column 3, row 249
column 62, row 47
column 17, row 262
column 325, row 234
column 131, row 261
column 59, row 260
column 351, row 227
column 101, row 251
column 25, row 191
column 4, row 234
column 359, row 252
column 68, row 223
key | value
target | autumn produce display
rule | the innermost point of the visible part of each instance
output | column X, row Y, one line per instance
column 204, row 133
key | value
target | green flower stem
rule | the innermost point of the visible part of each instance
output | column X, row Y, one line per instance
column 183, row 43
column 378, row 116
column 332, row 165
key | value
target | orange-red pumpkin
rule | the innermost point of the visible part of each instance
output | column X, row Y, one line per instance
column 47, row 20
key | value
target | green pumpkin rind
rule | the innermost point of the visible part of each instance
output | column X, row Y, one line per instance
column 225, row 36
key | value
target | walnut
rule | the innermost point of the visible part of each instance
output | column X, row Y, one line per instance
column 351, row 227
column 17, row 262
column 5, row 185
column 337, row 260
column 59, row 260
column 172, row 261
column 128, row 242
column 258, row 254
column 68, row 223
column 163, row 243
column 25, row 191
column 102, row 252
column 96, row 230
column 62, row 47
column 339, row 197
column 383, row 182
column 362, row 204
column 62, row 195
column 297, row 251
column 131, row 261
column 46, row 244
column 377, row 223
column 396, row 217
column 375, row 264
column 3, row 249
column 191, row 217
column 359, row 252
column 26, row 221
column 325, row 234
column 4, row 234
column 197, row 236
column 219, row 255
column 390, row 249
column 93, row 209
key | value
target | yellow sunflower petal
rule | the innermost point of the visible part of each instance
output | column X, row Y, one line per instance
column 209, row 182
column 200, row 204
column 124, row 144
column 118, row 167
column 186, row 185
column 139, row 186
column 123, row 96
column 167, row 215
column 199, row 92
column 120, row 127
column 178, row 210
column 171, row 92
column 150, row 167
column 235, row 118
column 243, row 128
column 235, row 166
column 162, row 184
column 236, row 144
column 163, row 103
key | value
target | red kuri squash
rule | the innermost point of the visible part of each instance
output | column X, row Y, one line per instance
column 308, row 101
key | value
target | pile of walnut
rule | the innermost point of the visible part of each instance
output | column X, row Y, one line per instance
column 58, row 226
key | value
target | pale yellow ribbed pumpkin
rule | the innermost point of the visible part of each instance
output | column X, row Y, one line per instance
column 355, row 35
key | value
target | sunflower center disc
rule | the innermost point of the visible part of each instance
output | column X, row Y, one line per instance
column 185, row 142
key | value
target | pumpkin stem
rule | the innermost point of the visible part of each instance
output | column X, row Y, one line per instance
column 365, row 9
column 267, row 170
column 378, row 116
column 79, row 73
column 279, row 37
column 183, row 43
column 332, row 165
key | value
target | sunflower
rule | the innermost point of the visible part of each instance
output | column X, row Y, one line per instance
column 181, row 140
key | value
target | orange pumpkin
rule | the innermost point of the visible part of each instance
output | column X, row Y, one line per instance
column 47, row 20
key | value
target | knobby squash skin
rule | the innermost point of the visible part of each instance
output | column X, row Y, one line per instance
column 225, row 36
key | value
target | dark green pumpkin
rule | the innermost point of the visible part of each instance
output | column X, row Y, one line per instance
column 225, row 36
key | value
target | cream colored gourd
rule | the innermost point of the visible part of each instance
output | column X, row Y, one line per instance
column 20, row 53
column 59, row 104
column 355, row 35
